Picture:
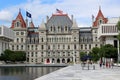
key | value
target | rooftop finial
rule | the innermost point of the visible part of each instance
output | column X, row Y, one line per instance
column 99, row 7
column 19, row 10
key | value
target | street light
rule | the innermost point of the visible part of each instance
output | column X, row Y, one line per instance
column 118, row 51
column 73, row 58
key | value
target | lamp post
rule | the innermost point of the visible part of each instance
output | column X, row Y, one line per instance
column 118, row 52
column 73, row 58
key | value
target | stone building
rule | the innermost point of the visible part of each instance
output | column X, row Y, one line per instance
column 59, row 39
column 6, row 36
column 56, row 41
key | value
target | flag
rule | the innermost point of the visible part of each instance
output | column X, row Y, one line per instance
column 59, row 11
column 28, row 14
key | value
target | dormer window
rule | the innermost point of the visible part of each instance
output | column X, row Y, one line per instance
column 65, row 28
column 100, row 21
column 17, row 24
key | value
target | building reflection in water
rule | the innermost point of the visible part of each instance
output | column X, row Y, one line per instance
column 24, row 73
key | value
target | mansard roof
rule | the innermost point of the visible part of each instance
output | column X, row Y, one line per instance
column 59, row 20
column 99, row 15
column 20, row 18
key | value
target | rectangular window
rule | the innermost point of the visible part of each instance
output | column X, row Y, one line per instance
column 89, row 46
column 42, row 47
column 85, row 46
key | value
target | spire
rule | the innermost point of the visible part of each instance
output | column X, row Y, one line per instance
column 99, row 16
column 42, row 26
column 31, row 24
column 99, row 7
column 19, row 18
column 74, row 26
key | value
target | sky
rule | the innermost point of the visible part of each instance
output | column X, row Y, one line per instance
column 82, row 10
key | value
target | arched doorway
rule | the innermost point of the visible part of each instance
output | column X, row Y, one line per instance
column 58, row 60
column 48, row 61
column 63, row 60
column 53, row 60
column 68, row 60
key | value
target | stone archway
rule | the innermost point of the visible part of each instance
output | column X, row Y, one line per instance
column 48, row 61
column 53, row 60
column 68, row 60
column 58, row 60
column 63, row 60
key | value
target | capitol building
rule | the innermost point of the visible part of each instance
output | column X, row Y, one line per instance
column 59, row 39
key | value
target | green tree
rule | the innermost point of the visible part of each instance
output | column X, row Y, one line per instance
column 82, row 55
column 20, row 55
column 13, row 56
column 95, row 54
column 110, row 51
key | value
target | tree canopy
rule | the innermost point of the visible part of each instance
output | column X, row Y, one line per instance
column 13, row 56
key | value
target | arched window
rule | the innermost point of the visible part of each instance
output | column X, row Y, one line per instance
column 17, row 24
column 51, row 28
column 65, row 28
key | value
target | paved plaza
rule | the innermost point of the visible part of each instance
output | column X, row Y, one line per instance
column 76, row 72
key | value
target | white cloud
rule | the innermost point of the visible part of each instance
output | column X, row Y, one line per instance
column 82, row 10
column 5, row 15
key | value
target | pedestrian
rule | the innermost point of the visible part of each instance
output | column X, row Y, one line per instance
column 106, row 64
column 100, row 64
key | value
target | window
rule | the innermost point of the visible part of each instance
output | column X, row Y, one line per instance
column 75, row 39
column 95, row 38
column 95, row 45
column 17, row 39
column 17, row 47
column 17, row 33
column 12, row 47
column 32, row 54
column 32, row 47
column 41, row 39
column 42, row 47
column 36, row 54
column 22, row 33
column 81, row 46
column 58, row 46
column 74, row 46
column 21, row 39
column 51, row 28
column 65, row 28
column 63, row 46
column 85, row 46
column 89, row 46
column 21, row 47
column 68, row 46
column 17, row 24
column 100, row 21
column 28, row 47
column 48, row 46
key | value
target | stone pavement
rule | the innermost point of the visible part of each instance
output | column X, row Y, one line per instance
column 76, row 72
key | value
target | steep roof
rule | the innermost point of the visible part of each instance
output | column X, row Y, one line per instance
column 59, row 20
column 99, row 15
column 20, row 18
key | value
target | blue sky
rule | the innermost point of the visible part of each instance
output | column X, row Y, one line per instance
column 81, row 9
